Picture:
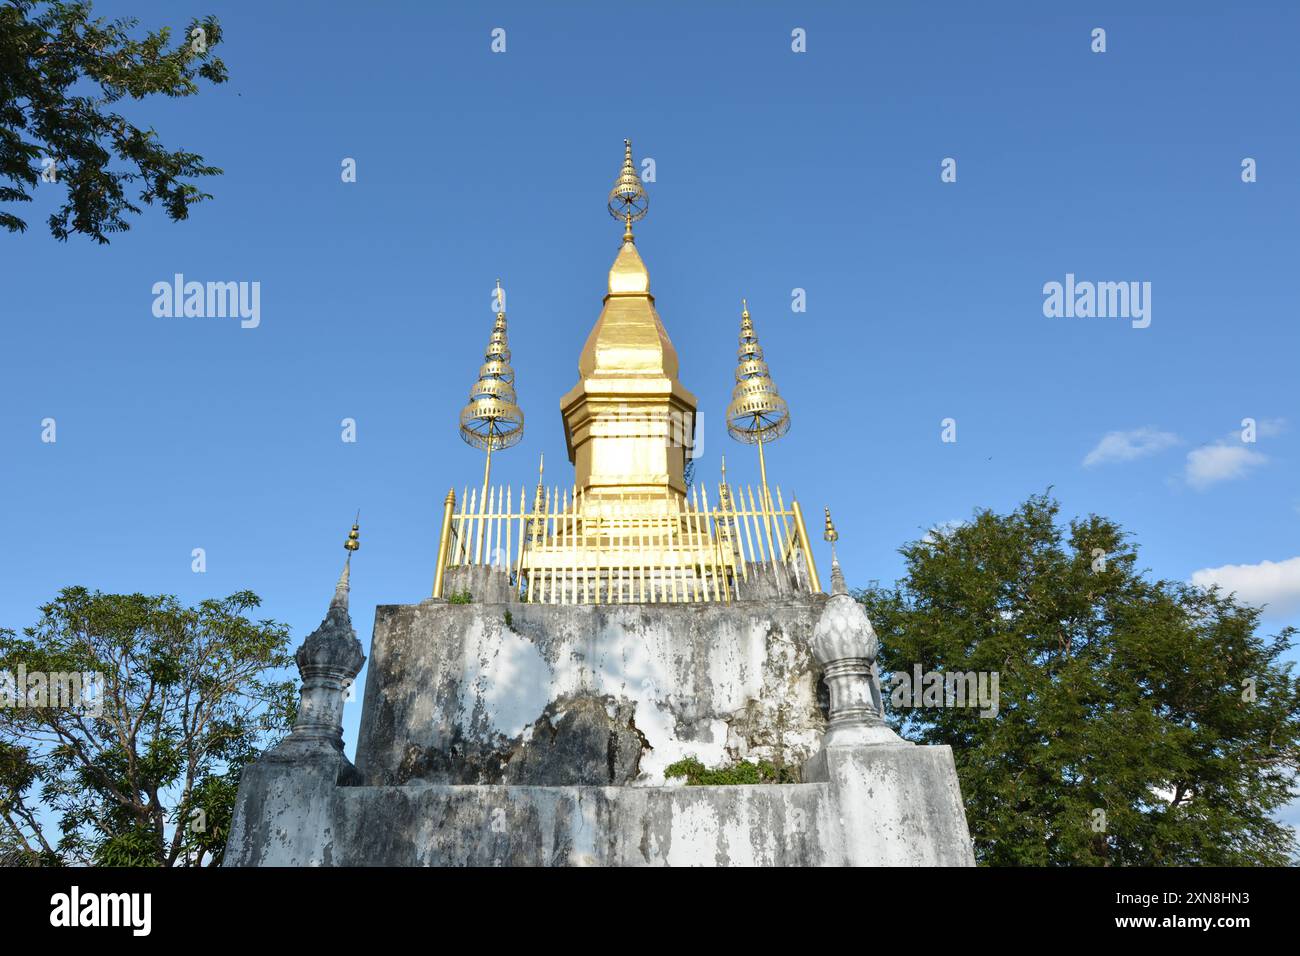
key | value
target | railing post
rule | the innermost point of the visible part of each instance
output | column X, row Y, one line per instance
column 808, row 560
column 444, row 541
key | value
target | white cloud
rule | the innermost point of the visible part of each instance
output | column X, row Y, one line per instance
column 1126, row 446
column 1211, row 464
column 1275, row 583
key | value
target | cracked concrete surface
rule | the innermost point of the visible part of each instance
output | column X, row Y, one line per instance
column 454, row 693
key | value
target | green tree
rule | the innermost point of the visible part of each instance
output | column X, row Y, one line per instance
column 60, row 71
column 146, row 774
column 1140, row 722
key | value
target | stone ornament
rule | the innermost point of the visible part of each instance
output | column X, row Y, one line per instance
column 846, row 645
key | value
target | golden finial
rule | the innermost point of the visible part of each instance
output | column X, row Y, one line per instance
column 352, row 543
column 628, row 200
column 724, row 493
column 757, row 412
column 837, row 575
column 354, row 536
column 492, row 419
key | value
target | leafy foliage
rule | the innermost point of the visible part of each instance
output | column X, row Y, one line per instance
column 60, row 71
column 744, row 772
column 1127, row 732
column 460, row 597
column 148, row 777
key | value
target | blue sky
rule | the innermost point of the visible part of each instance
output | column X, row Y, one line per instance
column 774, row 171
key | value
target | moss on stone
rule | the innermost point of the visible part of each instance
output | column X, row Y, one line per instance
column 740, row 774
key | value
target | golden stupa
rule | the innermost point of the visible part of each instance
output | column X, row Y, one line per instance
column 629, row 529
column 626, row 420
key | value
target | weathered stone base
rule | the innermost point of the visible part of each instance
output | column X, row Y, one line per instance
column 524, row 734
column 881, row 806
column 586, row 695
column 900, row 804
column 284, row 809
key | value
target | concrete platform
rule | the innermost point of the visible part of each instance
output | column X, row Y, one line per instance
column 883, row 806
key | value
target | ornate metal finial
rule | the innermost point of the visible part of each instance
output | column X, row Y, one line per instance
column 350, row 544
column 757, row 412
column 492, row 420
column 837, row 576
column 628, row 200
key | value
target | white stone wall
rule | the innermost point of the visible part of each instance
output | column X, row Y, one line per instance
column 717, row 682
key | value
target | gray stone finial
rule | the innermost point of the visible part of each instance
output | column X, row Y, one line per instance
column 341, row 589
column 328, row 660
column 837, row 576
column 845, row 644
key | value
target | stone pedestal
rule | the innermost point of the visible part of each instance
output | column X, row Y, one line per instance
column 899, row 804
column 487, row 740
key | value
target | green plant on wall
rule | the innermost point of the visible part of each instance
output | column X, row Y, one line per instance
column 743, row 773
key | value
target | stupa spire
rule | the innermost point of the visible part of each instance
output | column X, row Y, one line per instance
column 328, row 660
column 628, row 200
column 624, row 418
column 757, row 412
column 352, row 543
column 630, row 518
column 492, row 419
column 837, row 576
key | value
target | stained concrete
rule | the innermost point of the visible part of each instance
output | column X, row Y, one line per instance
column 454, row 692
column 891, row 806
column 482, row 741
